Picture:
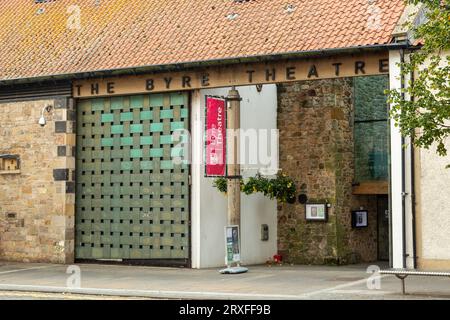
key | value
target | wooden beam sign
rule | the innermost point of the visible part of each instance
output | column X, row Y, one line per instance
column 237, row 75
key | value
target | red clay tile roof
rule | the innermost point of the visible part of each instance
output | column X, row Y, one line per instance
column 35, row 40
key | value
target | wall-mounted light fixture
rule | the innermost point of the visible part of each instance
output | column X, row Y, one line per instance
column 42, row 121
column 303, row 199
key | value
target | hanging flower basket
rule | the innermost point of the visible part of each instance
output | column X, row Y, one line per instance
column 282, row 188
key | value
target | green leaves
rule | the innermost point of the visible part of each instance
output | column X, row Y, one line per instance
column 220, row 184
column 282, row 188
column 426, row 116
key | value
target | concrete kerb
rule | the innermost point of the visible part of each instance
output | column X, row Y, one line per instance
column 155, row 294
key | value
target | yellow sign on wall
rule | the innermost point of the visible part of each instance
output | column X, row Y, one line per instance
column 237, row 75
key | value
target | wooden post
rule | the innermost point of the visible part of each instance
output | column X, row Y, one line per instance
column 233, row 166
column 233, row 171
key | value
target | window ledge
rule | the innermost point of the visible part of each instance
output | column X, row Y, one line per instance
column 5, row 172
column 372, row 187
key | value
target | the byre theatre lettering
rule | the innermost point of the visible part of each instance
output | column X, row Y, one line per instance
column 243, row 74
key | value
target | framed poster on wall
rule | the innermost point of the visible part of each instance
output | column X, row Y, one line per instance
column 316, row 212
column 360, row 219
column 215, row 137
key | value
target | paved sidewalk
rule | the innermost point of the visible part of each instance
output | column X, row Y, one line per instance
column 261, row 282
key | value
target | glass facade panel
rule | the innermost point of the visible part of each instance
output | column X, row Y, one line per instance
column 371, row 129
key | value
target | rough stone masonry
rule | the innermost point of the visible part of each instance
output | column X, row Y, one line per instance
column 37, row 204
column 315, row 119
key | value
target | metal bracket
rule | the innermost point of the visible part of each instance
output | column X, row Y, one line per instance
column 234, row 177
column 402, row 278
column 233, row 99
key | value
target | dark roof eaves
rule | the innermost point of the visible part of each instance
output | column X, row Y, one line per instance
column 201, row 63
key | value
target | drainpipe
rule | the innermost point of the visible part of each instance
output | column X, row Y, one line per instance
column 402, row 59
column 391, row 249
column 413, row 191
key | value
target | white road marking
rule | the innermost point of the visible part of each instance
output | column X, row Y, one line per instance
column 145, row 293
column 12, row 295
column 28, row 269
column 361, row 292
column 341, row 286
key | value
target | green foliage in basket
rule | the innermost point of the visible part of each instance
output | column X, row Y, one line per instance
column 281, row 188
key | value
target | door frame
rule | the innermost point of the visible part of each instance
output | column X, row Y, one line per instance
column 379, row 199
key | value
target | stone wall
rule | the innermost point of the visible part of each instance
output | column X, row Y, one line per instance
column 315, row 119
column 37, row 204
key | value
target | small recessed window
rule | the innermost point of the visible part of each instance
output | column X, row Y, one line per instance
column 9, row 164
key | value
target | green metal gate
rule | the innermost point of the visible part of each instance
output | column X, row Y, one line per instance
column 132, row 200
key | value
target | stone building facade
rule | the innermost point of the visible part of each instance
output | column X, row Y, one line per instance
column 317, row 149
column 316, row 123
column 37, row 201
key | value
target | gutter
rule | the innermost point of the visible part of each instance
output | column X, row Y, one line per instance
column 413, row 190
column 412, row 182
column 202, row 63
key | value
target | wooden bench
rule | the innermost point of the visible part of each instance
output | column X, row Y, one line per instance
column 402, row 274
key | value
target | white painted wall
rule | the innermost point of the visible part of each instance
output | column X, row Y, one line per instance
column 209, row 206
column 434, row 193
column 409, row 221
column 435, row 210
column 433, row 188
column 396, row 171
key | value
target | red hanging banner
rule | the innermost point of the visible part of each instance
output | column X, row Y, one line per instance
column 216, row 115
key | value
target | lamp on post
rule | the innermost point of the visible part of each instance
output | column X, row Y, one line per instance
column 233, row 184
